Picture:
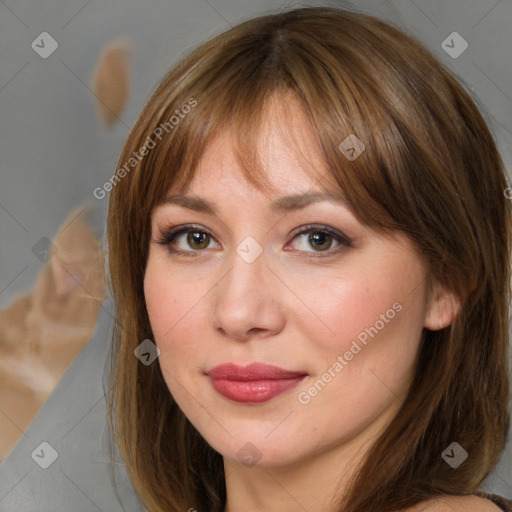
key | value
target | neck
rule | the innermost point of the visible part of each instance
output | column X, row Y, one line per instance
column 307, row 484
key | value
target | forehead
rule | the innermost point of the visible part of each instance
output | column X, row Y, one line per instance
column 287, row 148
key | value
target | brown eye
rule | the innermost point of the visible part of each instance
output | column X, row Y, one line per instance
column 198, row 239
column 311, row 239
column 195, row 241
column 321, row 239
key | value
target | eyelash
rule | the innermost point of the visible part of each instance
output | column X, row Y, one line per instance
column 168, row 236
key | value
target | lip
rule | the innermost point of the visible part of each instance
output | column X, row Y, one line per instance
column 254, row 383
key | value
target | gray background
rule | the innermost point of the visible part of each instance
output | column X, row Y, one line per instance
column 54, row 152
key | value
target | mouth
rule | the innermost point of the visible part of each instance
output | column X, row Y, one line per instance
column 255, row 383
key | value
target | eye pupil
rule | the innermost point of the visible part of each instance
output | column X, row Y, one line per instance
column 322, row 239
column 197, row 237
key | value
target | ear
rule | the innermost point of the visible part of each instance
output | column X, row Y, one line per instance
column 443, row 307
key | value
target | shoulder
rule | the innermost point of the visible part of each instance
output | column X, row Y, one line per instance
column 455, row 504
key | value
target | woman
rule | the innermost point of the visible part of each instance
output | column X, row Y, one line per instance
column 308, row 220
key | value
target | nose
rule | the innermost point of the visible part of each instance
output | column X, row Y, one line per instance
column 247, row 301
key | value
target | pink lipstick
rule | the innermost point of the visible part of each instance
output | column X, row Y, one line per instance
column 254, row 383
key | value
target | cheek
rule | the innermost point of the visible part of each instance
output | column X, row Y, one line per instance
column 176, row 310
column 169, row 302
column 340, row 308
column 372, row 317
column 366, row 366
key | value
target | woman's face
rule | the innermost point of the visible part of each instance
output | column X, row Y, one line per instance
column 338, row 317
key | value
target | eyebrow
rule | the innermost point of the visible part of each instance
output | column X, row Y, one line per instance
column 280, row 205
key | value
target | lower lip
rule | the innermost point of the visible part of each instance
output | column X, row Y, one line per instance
column 254, row 391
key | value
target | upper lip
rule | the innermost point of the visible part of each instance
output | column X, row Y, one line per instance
column 253, row 371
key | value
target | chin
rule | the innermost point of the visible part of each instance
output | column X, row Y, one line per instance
column 253, row 449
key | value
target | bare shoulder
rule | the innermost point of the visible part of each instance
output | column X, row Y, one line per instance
column 455, row 504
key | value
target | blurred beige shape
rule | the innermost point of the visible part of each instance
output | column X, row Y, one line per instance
column 111, row 80
column 41, row 332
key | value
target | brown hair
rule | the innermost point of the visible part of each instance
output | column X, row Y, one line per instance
column 430, row 169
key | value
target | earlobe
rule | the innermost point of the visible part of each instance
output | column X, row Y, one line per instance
column 444, row 306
